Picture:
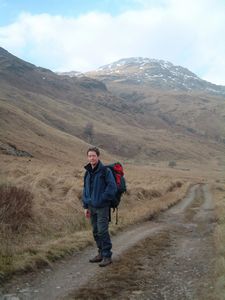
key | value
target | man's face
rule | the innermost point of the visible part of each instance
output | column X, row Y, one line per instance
column 92, row 158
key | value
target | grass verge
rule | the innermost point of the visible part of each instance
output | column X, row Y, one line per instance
column 59, row 228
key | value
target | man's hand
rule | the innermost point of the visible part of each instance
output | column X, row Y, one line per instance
column 87, row 213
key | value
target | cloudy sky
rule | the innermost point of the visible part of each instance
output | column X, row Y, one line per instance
column 82, row 35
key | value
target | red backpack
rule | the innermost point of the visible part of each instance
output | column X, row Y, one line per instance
column 118, row 174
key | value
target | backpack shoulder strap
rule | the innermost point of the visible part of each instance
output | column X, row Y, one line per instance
column 105, row 171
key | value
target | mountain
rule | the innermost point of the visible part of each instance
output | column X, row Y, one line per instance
column 71, row 74
column 167, row 94
column 56, row 117
column 155, row 73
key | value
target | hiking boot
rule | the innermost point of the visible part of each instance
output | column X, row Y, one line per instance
column 105, row 262
column 96, row 259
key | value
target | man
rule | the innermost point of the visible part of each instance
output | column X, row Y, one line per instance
column 99, row 189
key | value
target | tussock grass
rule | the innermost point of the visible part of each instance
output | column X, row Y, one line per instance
column 174, row 185
column 15, row 207
column 15, row 216
column 138, row 205
column 58, row 226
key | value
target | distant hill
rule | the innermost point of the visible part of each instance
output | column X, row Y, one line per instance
column 56, row 117
column 154, row 73
column 71, row 74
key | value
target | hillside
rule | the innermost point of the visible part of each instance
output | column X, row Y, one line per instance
column 55, row 116
column 171, row 94
column 47, row 122
column 42, row 112
column 170, row 99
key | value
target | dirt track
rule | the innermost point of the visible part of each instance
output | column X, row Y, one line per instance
column 180, row 268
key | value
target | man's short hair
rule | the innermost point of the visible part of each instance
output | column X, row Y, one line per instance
column 94, row 149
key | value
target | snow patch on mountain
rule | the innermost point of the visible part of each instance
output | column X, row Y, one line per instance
column 154, row 72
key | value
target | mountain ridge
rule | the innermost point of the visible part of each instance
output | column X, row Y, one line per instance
column 157, row 73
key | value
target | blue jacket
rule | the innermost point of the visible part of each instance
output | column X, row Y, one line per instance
column 99, row 186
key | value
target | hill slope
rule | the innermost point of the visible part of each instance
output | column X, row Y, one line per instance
column 171, row 94
column 56, row 116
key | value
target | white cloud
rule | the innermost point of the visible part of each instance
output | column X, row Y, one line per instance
column 188, row 33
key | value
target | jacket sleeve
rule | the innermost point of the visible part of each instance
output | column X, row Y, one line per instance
column 111, row 188
column 84, row 200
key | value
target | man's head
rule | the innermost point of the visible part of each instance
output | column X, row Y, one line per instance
column 93, row 156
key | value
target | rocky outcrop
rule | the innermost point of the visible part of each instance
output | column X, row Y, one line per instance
column 12, row 150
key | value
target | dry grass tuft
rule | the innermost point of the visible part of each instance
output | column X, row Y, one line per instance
column 15, row 207
column 142, row 193
column 174, row 185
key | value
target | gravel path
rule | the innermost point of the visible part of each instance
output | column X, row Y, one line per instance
column 187, row 271
column 70, row 274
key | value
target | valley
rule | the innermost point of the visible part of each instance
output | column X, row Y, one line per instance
column 168, row 137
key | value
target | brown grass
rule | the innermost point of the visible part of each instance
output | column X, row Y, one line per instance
column 58, row 226
column 174, row 185
column 15, row 207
